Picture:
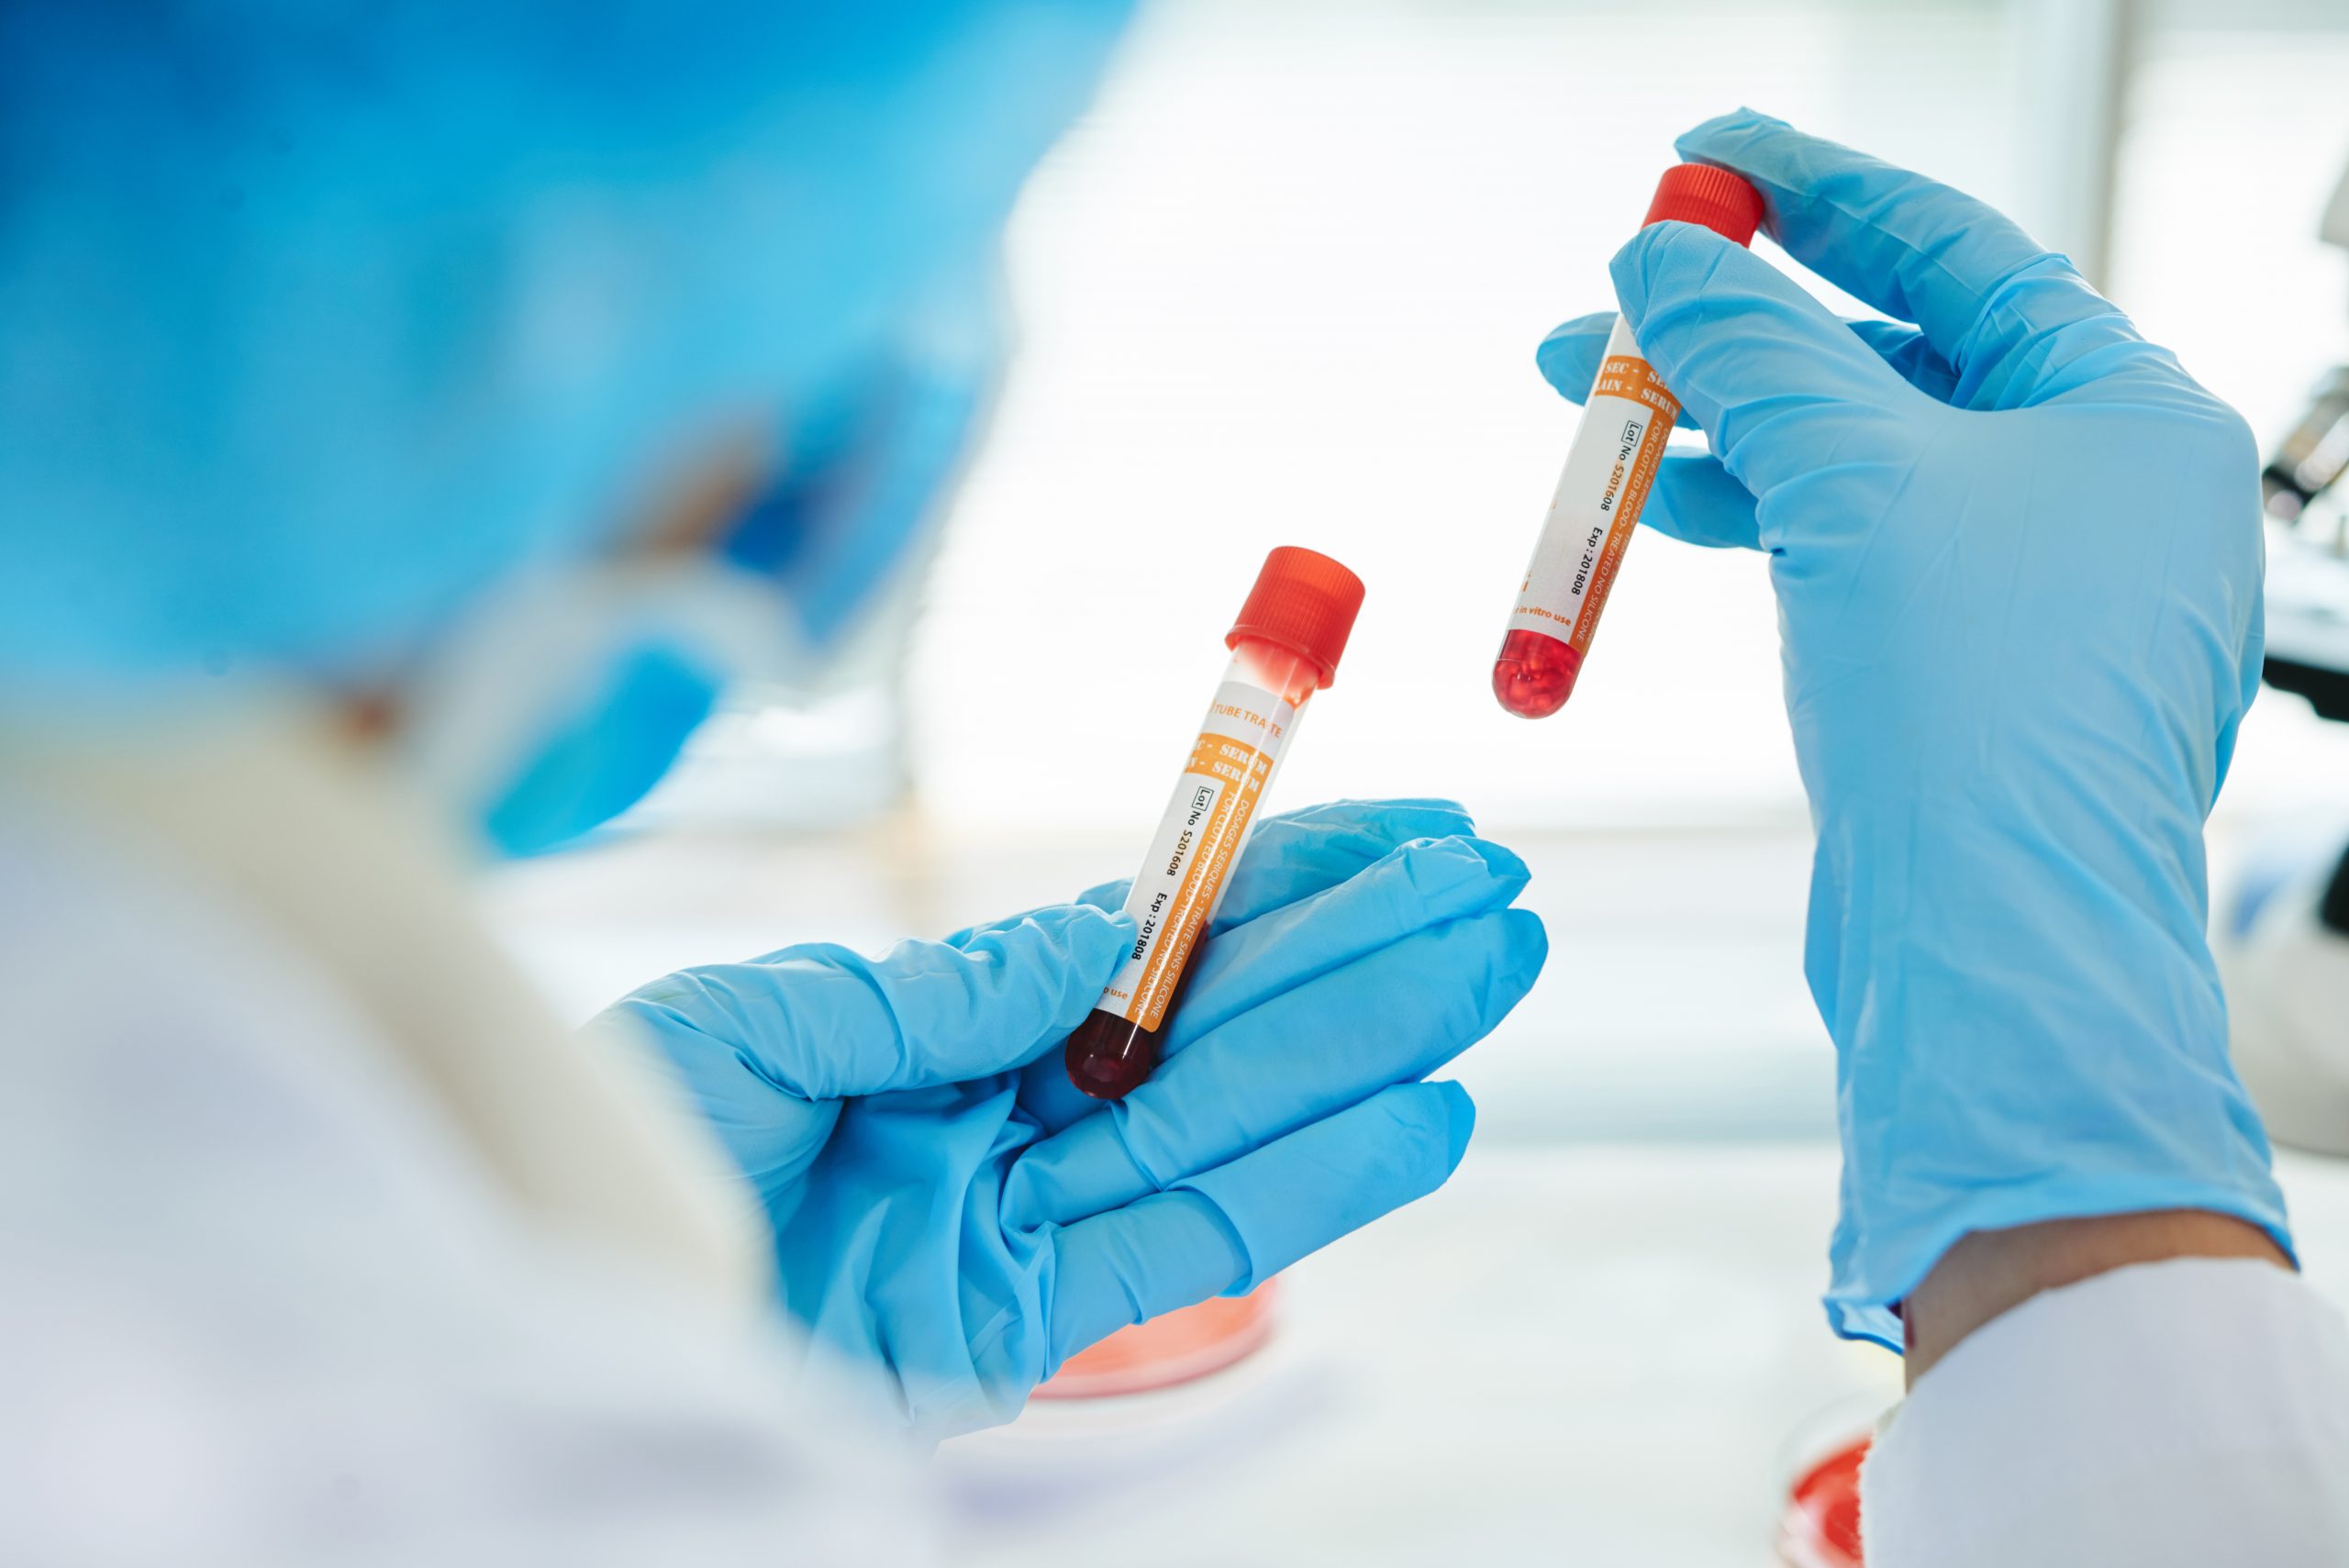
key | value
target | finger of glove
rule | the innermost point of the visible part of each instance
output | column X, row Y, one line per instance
column 1778, row 381
column 1303, row 852
column 1415, row 888
column 1296, row 853
column 1232, row 1228
column 1570, row 356
column 968, row 934
column 1300, row 852
column 1911, row 356
column 1391, row 1017
column 1993, row 302
column 1693, row 498
column 1411, row 888
column 823, row 1022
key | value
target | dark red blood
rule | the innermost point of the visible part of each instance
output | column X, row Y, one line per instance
column 1110, row 1057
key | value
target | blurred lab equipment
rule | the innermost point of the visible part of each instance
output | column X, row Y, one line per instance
column 2283, row 939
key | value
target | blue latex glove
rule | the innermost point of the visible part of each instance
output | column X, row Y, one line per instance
column 969, row 1226
column 2017, row 556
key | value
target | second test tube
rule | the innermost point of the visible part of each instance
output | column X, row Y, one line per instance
column 1611, row 462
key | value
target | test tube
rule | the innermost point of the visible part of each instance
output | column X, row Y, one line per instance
column 1617, row 442
column 1285, row 647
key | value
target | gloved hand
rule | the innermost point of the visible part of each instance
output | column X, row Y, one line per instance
column 2017, row 556
column 969, row 1226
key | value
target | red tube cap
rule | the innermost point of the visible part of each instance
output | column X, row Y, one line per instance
column 1304, row 601
column 1698, row 193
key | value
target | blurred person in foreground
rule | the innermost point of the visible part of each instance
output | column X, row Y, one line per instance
column 407, row 421
column 409, row 418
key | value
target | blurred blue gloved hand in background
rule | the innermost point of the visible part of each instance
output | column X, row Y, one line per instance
column 2017, row 555
column 969, row 1225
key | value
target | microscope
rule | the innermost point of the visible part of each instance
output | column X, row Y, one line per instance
column 2283, row 937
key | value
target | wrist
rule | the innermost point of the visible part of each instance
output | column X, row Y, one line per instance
column 1990, row 1272
column 2022, row 1036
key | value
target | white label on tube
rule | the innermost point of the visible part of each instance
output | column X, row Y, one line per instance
column 1613, row 462
column 1240, row 745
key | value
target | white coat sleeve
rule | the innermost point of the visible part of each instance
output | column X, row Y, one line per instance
column 261, row 1308
column 2188, row 1412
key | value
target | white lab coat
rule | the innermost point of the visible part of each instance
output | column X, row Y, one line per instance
column 2188, row 1414
column 320, row 1241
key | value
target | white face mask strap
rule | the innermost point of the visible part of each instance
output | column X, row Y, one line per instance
column 520, row 664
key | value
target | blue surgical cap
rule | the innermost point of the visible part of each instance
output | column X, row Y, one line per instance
column 317, row 318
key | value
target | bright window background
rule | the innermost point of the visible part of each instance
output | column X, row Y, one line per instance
column 1283, row 285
